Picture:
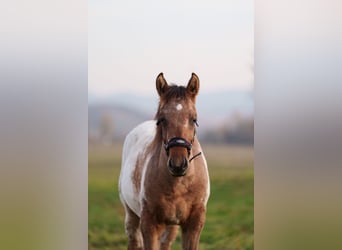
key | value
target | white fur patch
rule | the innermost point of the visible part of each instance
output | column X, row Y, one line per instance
column 207, row 173
column 179, row 106
column 135, row 143
column 208, row 184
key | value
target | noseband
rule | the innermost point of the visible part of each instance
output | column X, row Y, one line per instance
column 180, row 142
column 177, row 142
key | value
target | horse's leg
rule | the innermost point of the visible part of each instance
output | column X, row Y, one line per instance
column 132, row 226
column 192, row 229
column 151, row 230
column 168, row 236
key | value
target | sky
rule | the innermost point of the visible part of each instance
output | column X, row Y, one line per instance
column 131, row 42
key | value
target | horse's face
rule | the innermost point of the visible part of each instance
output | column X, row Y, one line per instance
column 177, row 120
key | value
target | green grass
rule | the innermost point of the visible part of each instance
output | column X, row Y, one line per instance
column 230, row 216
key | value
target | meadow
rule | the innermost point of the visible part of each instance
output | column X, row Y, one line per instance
column 230, row 215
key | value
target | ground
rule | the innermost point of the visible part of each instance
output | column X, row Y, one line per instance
column 230, row 215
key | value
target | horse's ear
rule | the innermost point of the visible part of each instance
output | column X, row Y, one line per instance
column 193, row 85
column 161, row 84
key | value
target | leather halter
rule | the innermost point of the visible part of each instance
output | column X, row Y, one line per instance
column 178, row 142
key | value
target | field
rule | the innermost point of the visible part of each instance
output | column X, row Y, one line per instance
column 230, row 215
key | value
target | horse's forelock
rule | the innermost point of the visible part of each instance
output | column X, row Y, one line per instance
column 174, row 92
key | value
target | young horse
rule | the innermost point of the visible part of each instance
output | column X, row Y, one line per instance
column 164, row 181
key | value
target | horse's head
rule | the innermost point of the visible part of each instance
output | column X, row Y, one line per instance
column 177, row 121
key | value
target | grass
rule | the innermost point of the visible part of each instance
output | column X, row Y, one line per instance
column 230, row 216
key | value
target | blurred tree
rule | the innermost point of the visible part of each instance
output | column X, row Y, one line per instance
column 106, row 129
column 242, row 132
column 238, row 129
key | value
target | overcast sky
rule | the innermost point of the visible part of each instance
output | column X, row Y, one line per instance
column 130, row 42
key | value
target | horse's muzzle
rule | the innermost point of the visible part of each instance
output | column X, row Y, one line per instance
column 178, row 169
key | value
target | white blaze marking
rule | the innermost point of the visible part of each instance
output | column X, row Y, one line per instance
column 179, row 106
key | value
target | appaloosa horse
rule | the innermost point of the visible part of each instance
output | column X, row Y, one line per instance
column 164, row 181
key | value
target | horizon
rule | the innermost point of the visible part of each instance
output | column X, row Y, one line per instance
column 218, row 104
column 153, row 93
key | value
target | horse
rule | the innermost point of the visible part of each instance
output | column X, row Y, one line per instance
column 164, row 180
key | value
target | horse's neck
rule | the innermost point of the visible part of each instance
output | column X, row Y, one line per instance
column 162, row 159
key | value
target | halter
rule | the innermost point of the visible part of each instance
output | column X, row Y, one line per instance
column 180, row 142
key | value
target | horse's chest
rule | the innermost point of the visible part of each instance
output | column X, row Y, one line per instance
column 173, row 204
column 175, row 212
column 171, row 209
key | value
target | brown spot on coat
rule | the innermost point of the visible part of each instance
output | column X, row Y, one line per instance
column 136, row 177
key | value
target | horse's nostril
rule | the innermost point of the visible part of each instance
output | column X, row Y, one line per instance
column 170, row 163
column 180, row 164
column 184, row 164
column 177, row 166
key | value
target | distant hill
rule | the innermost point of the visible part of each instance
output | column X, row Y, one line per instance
column 128, row 110
column 212, row 107
column 123, row 118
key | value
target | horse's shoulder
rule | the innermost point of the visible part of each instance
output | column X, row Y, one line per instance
column 145, row 129
column 139, row 137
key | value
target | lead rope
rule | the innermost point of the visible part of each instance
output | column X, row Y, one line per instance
column 196, row 155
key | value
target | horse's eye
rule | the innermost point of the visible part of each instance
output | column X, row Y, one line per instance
column 195, row 121
column 160, row 120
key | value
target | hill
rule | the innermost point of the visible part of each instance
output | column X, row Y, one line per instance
column 125, row 111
